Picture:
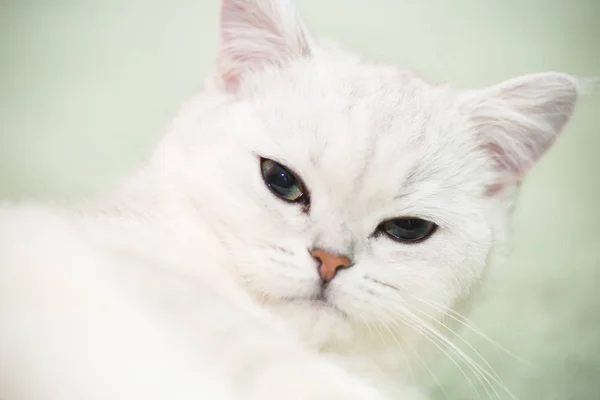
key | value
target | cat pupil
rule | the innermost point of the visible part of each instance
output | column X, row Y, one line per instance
column 281, row 179
column 407, row 223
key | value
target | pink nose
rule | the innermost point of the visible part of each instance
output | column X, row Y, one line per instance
column 329, row 263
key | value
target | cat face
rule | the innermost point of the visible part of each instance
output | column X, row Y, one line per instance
column 350, row 194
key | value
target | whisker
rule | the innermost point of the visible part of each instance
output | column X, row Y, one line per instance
column 429, row 371
column 480, row 372
column 399, row 343
column 445, row 350
column 474, row 366
column 456, row 316
column 432, row 340
column 437, row 339
column 462, row 340
column 415, row 325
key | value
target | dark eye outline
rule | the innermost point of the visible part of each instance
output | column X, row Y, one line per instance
column 432, row 228
column 304, row 197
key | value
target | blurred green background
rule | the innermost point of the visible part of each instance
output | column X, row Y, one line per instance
column 87, row 87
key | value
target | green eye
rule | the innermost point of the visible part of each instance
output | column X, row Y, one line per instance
column 282, row 182
column 408, row 229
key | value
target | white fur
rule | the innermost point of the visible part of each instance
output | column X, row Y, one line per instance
column 195, row 280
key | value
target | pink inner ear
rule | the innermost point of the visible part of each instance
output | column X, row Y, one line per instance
column 244, row 25
column 246, row 14
column 255, row 33
column 232, row 68
column 505, row 161
column 511, row 169
column 518, row 120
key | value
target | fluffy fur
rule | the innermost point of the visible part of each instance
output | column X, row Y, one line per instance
column 194, row 281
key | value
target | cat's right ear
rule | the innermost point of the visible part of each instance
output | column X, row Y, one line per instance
column 518, row 120
column 257, row 33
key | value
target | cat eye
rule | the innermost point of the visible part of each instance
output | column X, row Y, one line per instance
column 408, row 229
column 282, row 182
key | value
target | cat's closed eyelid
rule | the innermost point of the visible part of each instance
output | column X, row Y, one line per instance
column 419, row 211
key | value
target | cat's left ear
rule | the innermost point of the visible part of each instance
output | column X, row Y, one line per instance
column 517, row 121
column 255, row 34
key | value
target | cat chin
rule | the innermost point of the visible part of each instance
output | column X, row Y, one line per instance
column 323, row 326
column 317, row 323
column 364, row 350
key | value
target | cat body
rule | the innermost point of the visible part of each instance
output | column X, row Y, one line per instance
column 202, row 277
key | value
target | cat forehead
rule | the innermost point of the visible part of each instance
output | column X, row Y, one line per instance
column 350, row 99
column 349, row 123
column 359, row 109
column 342, row 86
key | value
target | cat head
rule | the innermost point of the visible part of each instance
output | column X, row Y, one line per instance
column 349, row 193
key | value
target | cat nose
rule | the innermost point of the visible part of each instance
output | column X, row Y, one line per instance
column 329, row 263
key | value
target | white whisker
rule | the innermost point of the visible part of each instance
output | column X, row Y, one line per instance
column 441, row 323
column 480, row 373
column 484, row 377
column 456, row 316
column 475, row 367
column 429, row 371
column 414, row 325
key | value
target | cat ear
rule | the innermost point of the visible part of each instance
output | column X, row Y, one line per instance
column 256, row 33
column 519, row 119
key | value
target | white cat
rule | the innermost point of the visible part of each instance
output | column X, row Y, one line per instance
column 298, row 232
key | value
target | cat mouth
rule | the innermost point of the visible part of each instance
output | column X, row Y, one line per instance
column 320, row 302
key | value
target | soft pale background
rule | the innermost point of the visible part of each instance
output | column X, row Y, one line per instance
column 87, row 86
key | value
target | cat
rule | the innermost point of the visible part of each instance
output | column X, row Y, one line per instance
column 300, row 229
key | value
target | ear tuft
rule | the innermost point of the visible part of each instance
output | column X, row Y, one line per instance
column 256, row 33
column 518, row 120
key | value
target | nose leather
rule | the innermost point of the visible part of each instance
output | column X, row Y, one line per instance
column 329, row 263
